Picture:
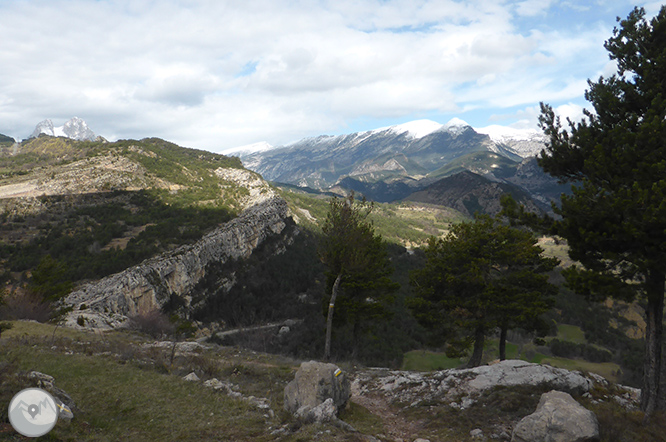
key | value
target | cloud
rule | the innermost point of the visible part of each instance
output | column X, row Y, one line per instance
column 214, row 75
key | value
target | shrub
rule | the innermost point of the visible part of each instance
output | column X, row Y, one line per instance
column 153, row 323
column 26, row 306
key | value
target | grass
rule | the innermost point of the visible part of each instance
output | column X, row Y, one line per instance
column 422, row 360
column 120, row 402
column 127, row 392
column 571, row 333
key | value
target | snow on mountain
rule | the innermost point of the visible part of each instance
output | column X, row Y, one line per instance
column 76, row 129
column 415, row 129
column 499, row 133
column 523, row 142
column 261, row 146
column 456, row 126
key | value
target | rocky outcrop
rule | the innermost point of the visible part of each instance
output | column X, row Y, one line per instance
column 137, row 290
column 258, row 190
column 63, row 400
column 318, row 392
column 558, row 418
column 460, row 388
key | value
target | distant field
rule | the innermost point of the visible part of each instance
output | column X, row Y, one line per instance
column 409, row 224
column 571, row 333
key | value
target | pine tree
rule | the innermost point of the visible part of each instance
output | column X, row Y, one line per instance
column 358, row 267
column 482, row 276
column 615, row 220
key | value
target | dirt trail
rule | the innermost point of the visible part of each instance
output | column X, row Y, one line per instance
column 396, row 427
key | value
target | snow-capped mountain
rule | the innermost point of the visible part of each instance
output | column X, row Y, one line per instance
column 411, row 149
column 76, row 129
column 523, row 142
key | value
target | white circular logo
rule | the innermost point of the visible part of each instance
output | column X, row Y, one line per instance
column 33, row 412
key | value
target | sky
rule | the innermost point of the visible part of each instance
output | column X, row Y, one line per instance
column 217, row 74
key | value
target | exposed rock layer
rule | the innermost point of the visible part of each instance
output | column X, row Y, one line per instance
column 108, row 302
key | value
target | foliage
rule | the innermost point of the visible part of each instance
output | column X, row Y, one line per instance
column 358, row 265
column 153, row 323
column 23, row 305
column 77, row 238
column 482, row 275
column 615, row 219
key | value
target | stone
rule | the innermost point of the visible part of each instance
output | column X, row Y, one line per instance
column 284, row 330
column 192, row 377
column 324, row 412
column 476, row 433
column 314, row 384
column 460, row 388
column 63, row 400
column 558, row 418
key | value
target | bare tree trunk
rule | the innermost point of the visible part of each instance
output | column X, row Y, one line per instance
column 650, row 391
column 477, row 354
column 329, row 318
column 502, row 342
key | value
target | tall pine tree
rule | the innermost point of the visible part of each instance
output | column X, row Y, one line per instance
column 615, row 220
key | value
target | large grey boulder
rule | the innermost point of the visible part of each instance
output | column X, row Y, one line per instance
column 318, row 392
column 558, row 418
column 461, row 388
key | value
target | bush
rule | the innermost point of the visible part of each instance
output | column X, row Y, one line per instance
column 567, row 349
column 26, row 306
column 153, row 323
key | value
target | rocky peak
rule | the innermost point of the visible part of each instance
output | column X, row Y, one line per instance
column 76, row 129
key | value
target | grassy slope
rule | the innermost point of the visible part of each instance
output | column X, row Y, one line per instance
column 409, row 224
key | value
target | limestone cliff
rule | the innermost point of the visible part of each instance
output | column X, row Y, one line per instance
column 108, row 302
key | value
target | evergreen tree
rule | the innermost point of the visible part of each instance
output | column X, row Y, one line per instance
column 615, row 220
column 482, row 275
column 358, row 267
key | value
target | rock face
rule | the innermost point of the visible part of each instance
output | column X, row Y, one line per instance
column 108, row 302
column 558, row 418
column 318, row 392
column 461, row 388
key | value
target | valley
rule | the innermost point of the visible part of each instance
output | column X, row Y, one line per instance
column 108, row 243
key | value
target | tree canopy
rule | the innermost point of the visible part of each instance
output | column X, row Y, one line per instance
column 615, row 219
column 483, row 275
column 358, row 267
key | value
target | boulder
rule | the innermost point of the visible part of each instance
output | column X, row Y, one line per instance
column 63, row 400
column 558, row 418
column 315, row 383
column 460, row 388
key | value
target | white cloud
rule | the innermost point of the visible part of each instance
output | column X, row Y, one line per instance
column 214, row 75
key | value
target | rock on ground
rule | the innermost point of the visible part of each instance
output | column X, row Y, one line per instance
column 461, row 388
column 558, row 418
column 319, row 391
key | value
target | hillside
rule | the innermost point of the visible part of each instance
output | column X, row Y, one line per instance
column 76, row 211
column 470, row 193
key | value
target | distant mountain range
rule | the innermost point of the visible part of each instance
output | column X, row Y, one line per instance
column 409, row 161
